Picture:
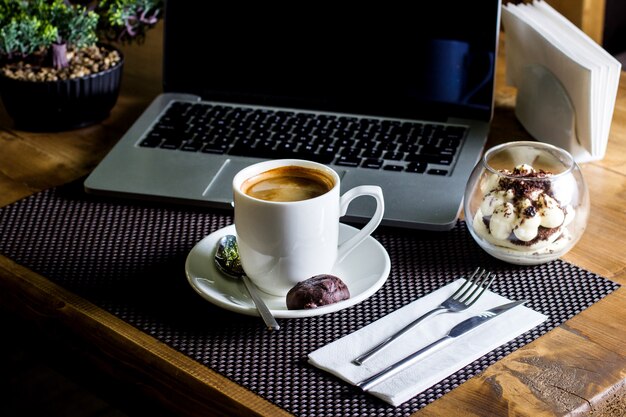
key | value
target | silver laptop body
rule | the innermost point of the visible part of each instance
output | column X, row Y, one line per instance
column 139, row 167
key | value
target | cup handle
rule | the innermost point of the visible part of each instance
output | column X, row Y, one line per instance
column 488, row 76
column 363, row 190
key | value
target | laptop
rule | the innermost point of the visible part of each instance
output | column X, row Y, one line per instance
column 396, row 96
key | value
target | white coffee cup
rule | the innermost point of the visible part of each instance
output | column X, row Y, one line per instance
column 282, row 243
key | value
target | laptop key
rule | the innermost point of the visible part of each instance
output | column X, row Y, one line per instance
column 348, row 161
column 372, row 163
column 428, row 141
column 215, row 149
column 431, row 150
column 417, row 167
column 438, row 159
column 262, row 134
column 388, row 146
column 450, row 143
column 308, row 148
column 455, row 132
column 242, row 147
column 410, row 149
column 447, row 151
column 393, row 156
column 393, row 167
column 265, row 146
column 329, row 149
column 350, row 152
column 192, row 146
column 372, row 153
column 437, row 171
column 286, row 150
column 348, row 143
column 151, row 141
column 429, row 159
column 322, row 158
column 171, row 144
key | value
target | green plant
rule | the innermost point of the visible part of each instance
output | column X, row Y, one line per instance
column 128, row 20
column 43, row 32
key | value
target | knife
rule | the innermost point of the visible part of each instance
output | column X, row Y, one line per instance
column 463, row 327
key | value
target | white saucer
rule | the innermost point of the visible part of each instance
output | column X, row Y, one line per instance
column 364, row 271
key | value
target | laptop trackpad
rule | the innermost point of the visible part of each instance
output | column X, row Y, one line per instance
column 221, row 186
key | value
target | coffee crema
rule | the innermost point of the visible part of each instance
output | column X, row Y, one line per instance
column 288, row 183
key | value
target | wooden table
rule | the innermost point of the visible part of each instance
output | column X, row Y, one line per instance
column 577, row 367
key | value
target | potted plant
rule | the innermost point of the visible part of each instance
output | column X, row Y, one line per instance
column 58, row 69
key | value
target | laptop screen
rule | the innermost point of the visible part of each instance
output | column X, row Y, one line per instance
column 409, row 60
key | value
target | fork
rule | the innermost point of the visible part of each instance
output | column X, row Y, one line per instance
column 461, row 300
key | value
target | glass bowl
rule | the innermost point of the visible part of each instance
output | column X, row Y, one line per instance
column 526, row 202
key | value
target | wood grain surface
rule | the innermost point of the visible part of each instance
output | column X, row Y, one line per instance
column 578, row 368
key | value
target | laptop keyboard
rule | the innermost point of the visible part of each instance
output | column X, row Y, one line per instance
column 329, row 139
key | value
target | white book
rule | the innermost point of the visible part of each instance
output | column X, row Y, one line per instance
column 536, row 34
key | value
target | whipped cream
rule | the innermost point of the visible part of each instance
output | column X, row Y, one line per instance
column 520, row 212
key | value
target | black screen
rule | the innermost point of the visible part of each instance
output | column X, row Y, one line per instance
column 406, row 60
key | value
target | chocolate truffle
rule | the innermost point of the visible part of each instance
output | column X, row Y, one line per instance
column 317, row 291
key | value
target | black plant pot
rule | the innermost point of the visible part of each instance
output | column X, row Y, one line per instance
column 61, row 105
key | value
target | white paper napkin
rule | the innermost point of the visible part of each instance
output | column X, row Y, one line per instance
column 537, row 34
column 337, row 357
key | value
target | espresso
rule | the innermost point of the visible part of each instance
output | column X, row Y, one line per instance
column 288, row 183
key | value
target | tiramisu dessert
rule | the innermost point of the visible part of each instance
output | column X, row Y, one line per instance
column 521, row 213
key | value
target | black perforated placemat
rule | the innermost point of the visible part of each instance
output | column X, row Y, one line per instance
column 128, row 258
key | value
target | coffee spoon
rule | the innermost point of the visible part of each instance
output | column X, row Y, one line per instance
column 228, row 262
